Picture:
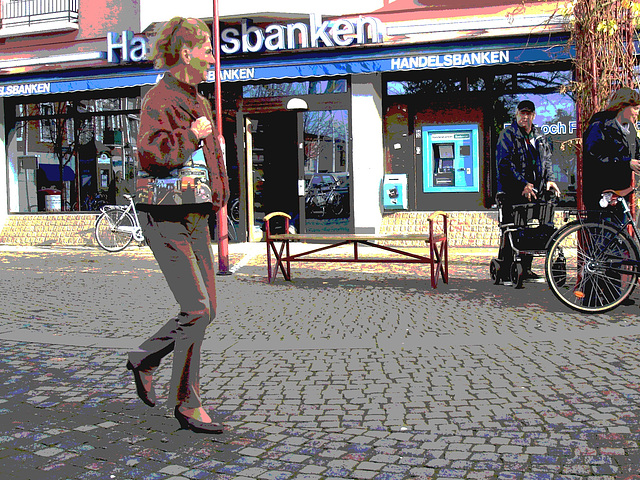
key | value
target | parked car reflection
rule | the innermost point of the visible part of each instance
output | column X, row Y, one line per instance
column 327, row 195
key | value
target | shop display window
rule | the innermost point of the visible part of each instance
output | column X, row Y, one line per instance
column 72, row 155
column 429, row 82
column 285, row 89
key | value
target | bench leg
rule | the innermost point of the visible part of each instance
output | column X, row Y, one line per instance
column 271, row 246
column 439, row 262
column 444, row 253
column 433, row 264
column 286, row 273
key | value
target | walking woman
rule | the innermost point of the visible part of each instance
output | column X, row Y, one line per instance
column 611, row 153
column 611, row 148
column 183, row 182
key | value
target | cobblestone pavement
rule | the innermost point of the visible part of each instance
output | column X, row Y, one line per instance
column 347, row 372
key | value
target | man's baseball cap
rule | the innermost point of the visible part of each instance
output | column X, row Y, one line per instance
column 526, row 105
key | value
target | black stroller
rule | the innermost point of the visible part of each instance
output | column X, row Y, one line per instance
column 525, row 230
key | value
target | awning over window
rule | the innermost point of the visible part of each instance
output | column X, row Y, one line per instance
column 76, row 81
column 397, row 59
column 307, row 64
column 52, row 172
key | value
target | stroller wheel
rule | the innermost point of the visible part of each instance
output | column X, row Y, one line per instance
column 494, row 271
column 517, row 274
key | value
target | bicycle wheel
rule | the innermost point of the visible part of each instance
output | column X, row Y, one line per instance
column 234, row 210
column 591, row 267
column 337, row 206
column 114, row 230
column 231, row 230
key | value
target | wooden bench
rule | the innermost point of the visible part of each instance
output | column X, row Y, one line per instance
column 437, row 241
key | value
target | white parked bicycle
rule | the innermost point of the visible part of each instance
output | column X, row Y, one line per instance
column 118, row 225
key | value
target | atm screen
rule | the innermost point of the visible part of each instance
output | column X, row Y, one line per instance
column 445, row 151
column 446, row 164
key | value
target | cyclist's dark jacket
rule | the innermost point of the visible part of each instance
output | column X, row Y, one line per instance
column 520, row 162
column 607, row 153
column 166, row 138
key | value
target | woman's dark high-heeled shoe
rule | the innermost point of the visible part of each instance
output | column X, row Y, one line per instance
column 144, row 385
column 197, row 426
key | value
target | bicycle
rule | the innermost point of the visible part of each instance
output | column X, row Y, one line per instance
column 118, row 225
column 234, row 210
column 232, row 234
column 95, row 202
column 593, row 262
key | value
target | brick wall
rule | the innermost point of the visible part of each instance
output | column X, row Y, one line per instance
column 51, row 229
column 466, row 229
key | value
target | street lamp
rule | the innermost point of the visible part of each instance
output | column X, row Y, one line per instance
column 223, row 229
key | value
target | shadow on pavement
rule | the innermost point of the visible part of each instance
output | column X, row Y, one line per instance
column 535, row 293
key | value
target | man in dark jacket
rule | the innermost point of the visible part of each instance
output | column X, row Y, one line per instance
column 523, row 159
column 611, row 148
column 523, row 156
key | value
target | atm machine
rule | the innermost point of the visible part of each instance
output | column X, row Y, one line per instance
column 450, row 156
column 443, row 168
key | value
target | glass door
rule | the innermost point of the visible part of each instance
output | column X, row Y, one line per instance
column 273, row 169
column 326, row 171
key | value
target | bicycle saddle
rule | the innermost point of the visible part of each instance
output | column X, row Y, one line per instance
column 610, row 197
column 619, row 193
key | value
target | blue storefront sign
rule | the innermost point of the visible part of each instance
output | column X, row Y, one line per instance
column 319, row 64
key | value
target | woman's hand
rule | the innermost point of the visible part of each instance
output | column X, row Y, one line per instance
column 635, row 165
column 202, row 127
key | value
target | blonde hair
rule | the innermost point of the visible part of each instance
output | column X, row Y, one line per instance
column 177, row 33
column 623, row 98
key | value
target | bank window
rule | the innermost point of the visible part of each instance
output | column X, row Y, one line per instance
column 108, row 104
column 546, row 80
column 452, row 82
column 47, row 125
column 72, row 155
column 505, row 83
column 286, row 89
column 19, row 124
column 326, row 139
column 476, row 84
column 532, row 81
column 435, row 85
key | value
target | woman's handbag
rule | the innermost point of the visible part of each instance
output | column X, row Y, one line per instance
column 188, row 184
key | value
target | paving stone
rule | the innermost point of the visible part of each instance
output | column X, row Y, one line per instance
column 481, row 393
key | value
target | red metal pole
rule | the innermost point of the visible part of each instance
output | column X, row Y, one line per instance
column 580, row 129
column 223, row 230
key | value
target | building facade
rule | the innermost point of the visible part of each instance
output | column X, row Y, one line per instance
column 337, row 120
